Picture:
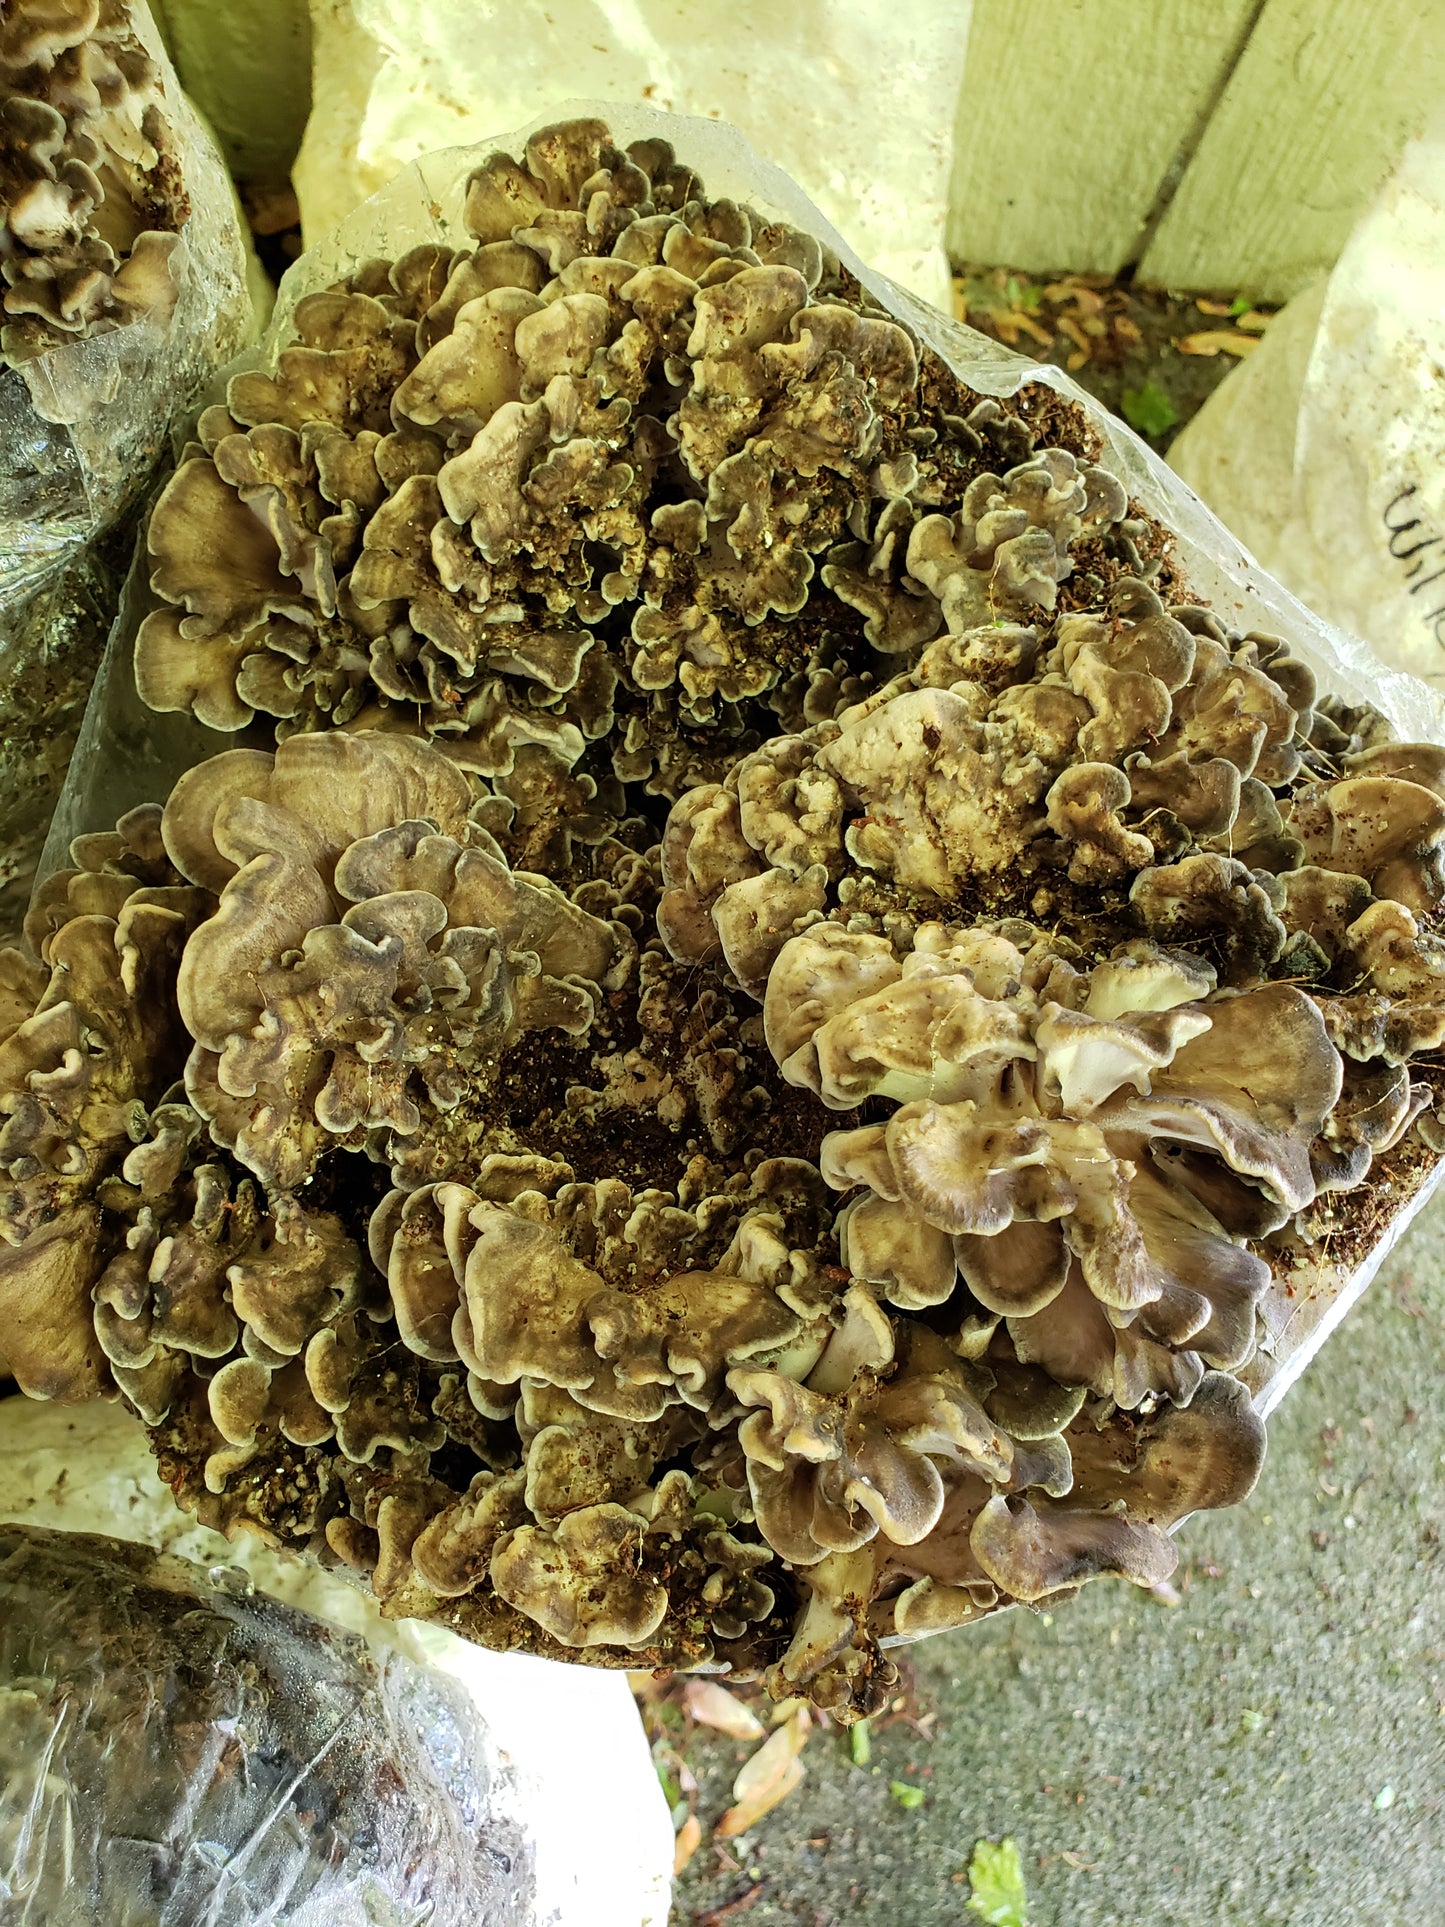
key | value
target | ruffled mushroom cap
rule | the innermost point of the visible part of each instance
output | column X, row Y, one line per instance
column 997, row 766
column 90, row 196
column 629, row 454
column 1007, row 550
column 360, row 963
column 845, row 1453
column 1132, row 1478
column 1089, row 1168
column 1385, row 829
column 451, row 471
column 579, row 1580
column 78, row 1076
column 524, row 1291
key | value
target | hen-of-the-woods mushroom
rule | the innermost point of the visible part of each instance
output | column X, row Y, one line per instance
column 435, row 1220
column 752, row 1076
column 634, row 468
column 90, row 199
column 1080, row 1154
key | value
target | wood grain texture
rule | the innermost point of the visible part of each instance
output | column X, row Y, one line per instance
column 1319, row 107
column 1071, row 116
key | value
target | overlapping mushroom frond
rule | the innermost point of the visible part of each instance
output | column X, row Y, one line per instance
column 809, row 1210
column 90, row 200
column 435, row 1220
column 637, row 471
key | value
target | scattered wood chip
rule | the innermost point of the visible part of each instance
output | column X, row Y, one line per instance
column 1077, row 1859
column 1217, row 341
column 689, row 1839
column 767, row 1776
column 1206, row 306
column 713, row 1705
column 1253, row 323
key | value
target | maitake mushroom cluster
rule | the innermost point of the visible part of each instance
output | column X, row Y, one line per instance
column 746, row 1081
column 91, row 202
column 600, row 500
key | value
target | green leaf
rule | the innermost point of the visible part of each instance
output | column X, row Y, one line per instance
column 908, row 1797
column 671, row 1791
column 1149, row 409
column 996, row 1877
column 860, row 1743
column 1023, row 294
column 1241, row 304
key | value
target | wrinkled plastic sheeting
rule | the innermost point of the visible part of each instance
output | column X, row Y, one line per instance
column 178, row 1752
column 82, row 428
column 1326, row 451
column 855, row 98
column 576, row 1769
column 118, row 764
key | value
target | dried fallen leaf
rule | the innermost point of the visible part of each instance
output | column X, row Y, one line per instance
column 1068, row 326
column 713, row 1705
column 649, row 1688
column 767, row 1776
column 689, row 1839
column 1217, row 341
column 1030, row 327
column 715, row 1916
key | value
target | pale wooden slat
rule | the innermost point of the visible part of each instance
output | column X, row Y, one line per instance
column 1071, row 115
column 1319, row 107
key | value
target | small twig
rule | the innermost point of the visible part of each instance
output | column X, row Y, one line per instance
column 715, row 1916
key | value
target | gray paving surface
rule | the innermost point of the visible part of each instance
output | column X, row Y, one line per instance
column 1270, row 1753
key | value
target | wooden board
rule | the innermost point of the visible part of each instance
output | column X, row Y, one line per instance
column 1072, row 115
column 1319, row 107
